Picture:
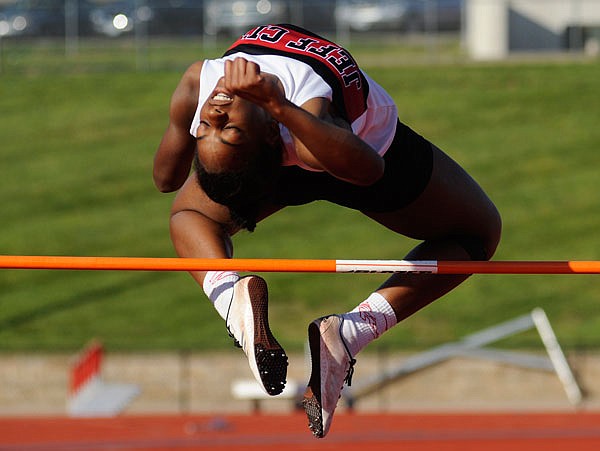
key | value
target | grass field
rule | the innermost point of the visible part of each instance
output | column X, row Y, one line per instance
column 76, row 156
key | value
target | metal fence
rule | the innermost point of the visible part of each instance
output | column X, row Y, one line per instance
column 152, row 33
column 71, row 27
column 113, row 18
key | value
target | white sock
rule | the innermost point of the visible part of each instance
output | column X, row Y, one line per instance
column 367, row 321
column 218, row 286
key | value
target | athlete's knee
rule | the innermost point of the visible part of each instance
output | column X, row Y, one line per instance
column 482, row 246
column 493, row 232
column 474, row 246
column 188, row 219
column 179, row 222
column 190, row 227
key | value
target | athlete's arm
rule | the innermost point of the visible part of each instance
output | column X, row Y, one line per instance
column 324, row 145
column 173, row 159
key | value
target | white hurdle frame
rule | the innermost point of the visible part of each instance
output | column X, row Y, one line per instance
column 473, row 346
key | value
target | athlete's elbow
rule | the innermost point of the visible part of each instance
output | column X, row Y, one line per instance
column 164, row 183
column 166, row 188
column 371, row 174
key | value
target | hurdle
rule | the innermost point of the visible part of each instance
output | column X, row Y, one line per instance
column 474, row 346
column 89, row 395
column 297, row 265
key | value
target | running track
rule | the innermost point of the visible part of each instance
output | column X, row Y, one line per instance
column 407, row 432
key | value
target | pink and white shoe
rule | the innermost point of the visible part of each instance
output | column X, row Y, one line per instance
column 332, row 366
column 248, row 324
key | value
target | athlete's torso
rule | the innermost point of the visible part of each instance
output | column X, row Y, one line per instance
column 310, row 66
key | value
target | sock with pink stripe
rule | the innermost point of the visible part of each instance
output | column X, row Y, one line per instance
column 368, row 321
column 218, row 286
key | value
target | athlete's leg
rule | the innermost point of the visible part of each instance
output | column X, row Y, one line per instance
column 201, row 228
column 457, row 221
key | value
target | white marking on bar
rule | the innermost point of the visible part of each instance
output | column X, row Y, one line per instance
column 387, row 266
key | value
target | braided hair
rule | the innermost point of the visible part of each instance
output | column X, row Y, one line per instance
column 245, row 190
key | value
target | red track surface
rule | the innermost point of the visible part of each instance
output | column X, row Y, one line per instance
column 408, row 432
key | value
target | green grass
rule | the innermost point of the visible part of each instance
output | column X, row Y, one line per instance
column 76, row 152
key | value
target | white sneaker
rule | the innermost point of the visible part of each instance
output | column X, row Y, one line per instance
column 248, row 324
column 332, row 366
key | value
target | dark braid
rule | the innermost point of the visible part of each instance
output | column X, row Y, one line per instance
column 243, row 191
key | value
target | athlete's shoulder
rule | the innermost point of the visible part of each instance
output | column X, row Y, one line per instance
column 185, row 96
column 191, row 76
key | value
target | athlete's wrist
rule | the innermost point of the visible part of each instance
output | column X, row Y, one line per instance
column 282, row 110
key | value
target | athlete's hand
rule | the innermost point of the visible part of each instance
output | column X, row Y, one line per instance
column 244, row 78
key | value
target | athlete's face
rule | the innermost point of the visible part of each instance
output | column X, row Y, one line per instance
column 231, row 131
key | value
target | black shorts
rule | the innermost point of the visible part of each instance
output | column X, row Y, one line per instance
column 408, row 167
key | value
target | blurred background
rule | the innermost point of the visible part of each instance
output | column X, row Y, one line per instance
column 506, row 87
column 85, row 18
column 482, row 28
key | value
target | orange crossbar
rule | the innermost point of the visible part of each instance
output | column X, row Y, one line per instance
column 519, row 267
column 164, row 264
column 297, row 265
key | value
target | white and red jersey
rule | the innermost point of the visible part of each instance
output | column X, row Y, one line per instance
column 308, row 67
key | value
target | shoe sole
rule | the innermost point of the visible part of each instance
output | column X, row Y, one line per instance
column 312, row 396
column 271, row 360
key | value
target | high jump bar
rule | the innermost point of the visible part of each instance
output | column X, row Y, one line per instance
column 297, row 265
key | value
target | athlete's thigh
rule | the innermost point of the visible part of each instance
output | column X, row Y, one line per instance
column 452, row 203
column 191, row 197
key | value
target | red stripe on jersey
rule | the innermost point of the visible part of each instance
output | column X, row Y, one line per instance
column 300, row 44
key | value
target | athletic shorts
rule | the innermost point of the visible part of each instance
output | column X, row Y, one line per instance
column 408, row 167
